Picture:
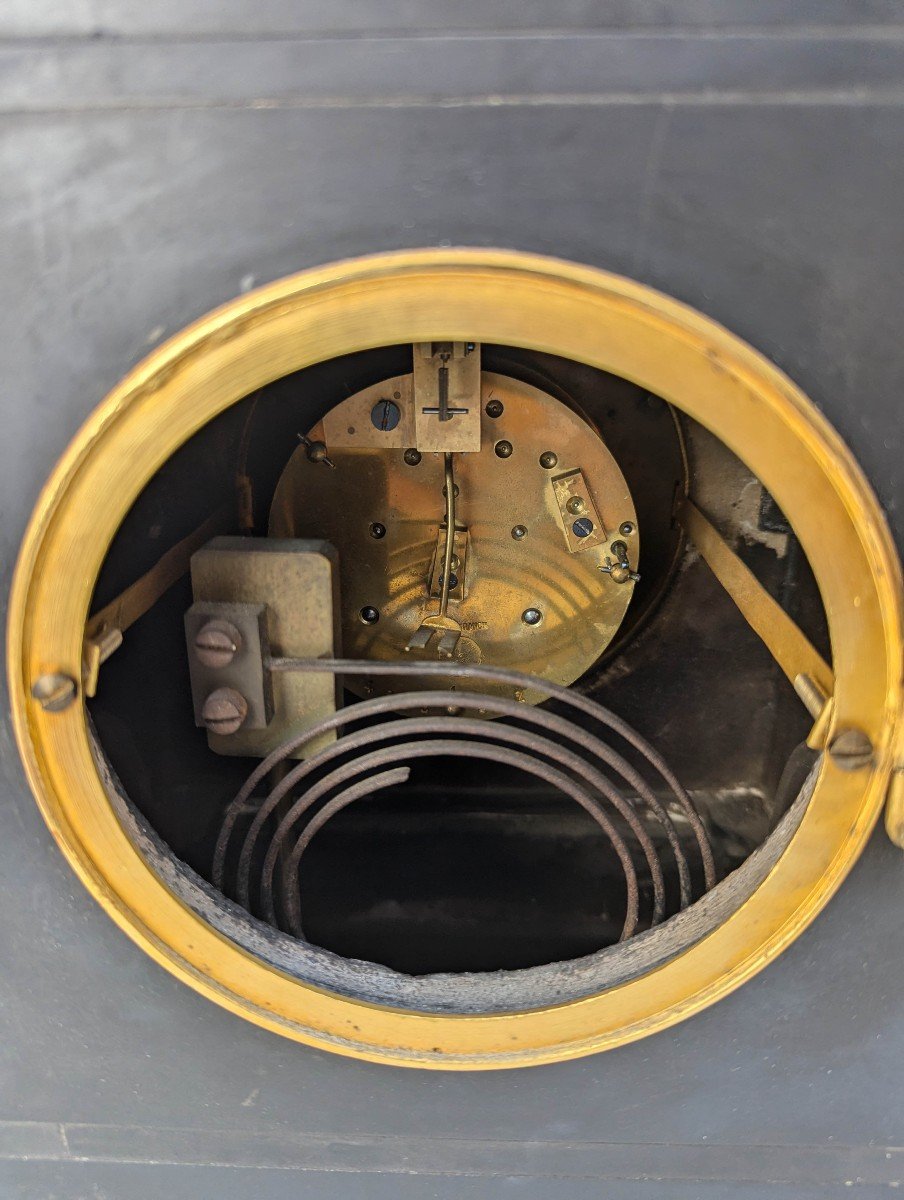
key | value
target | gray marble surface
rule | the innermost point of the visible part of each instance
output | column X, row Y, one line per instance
column 156, row 161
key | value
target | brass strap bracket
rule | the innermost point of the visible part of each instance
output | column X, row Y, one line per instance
column 894, row 807
column 809, row 673
column 894, row 799
column 104, row 630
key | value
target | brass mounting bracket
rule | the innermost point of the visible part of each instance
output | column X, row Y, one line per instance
column 810, row 675
column 104, row 630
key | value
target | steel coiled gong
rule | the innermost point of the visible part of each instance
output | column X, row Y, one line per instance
column 379, row 741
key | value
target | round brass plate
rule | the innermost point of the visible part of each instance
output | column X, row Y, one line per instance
column 500, row 577
column 510, row 299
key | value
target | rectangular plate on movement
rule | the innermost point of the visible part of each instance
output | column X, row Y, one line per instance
column 577, row 509
column 447, row 397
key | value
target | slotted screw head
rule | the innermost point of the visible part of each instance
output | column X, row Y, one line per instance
column 851, row 750
column 224, row 711
column 54, row 691
column 217, row 643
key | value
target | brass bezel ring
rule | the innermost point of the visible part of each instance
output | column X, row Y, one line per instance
column 507, row 298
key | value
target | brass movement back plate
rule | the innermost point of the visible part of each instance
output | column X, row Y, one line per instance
column 518, row 554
